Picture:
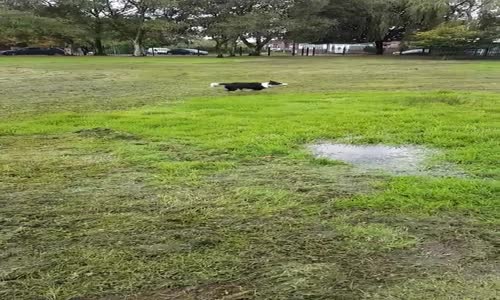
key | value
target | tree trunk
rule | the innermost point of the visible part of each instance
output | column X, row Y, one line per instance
column 99, row 48
column 218, row 48
column 138, row 51
column 379, row 45
column 255, row 50
column 251, row 47
column 233, row 48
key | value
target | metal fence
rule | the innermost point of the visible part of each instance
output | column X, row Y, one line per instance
column 484, row 51
column 491, row 51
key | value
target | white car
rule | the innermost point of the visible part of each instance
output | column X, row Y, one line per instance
column 195, row 51
column 157, row 51
column 414, row 52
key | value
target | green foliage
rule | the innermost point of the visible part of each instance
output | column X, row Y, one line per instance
column 489, row 24
column 136, row 21
column 375, row 20
column 306, row 22
column 448, row 35
column 26, row 27
column 253, row 22
column 215, row 19
column 88, row 15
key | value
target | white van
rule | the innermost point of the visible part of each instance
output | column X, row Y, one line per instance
column 157, row 51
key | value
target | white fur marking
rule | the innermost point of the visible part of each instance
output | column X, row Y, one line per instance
column 266, row 85
column 215, row 84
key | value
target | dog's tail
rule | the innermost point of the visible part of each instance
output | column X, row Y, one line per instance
column 215, row 84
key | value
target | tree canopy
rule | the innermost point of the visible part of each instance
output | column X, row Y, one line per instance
column 252, row 22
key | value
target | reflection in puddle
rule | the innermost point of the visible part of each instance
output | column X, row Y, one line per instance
column 402, row 160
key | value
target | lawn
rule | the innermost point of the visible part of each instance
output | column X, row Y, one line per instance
column 131, row 178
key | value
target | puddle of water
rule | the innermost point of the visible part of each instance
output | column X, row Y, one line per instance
column 402, row 160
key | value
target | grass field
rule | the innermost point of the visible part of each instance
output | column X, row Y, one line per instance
column 130, row 178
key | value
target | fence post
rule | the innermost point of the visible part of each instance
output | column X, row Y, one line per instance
column 268, row 51
column 307, row 51
column 198, row 50
column 303, row 51
column 293, row 49
column 314, row 51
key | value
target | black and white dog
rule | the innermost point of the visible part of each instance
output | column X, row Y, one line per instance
column 256, row 86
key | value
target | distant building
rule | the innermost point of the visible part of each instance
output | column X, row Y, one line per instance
column 280, row 45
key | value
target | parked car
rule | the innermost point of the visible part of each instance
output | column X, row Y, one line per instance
column 195, row 51
column 34, row 51
column 157, row 51
column 187, row 52
column 413, row 52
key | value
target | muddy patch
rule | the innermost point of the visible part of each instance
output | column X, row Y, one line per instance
column 395, row 160
column 105, row 133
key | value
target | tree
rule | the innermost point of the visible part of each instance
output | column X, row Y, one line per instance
column 489, row 24
column 24, row 27
column 262, row 20
column 468, row 22
column 384, row 16
column 133, row 19
column 348, row 21
column 467, row 10
column 380, row 20
column 448, row 35
column 216, row 19
column 87, row 15
column 254, row 22
column 90, row 14
column 305, row 21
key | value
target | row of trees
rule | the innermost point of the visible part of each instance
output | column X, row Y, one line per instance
column 253, row 22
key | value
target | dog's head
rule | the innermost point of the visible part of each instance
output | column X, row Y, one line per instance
column 275, row 83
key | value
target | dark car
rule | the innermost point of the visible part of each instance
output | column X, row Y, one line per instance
column 34, row 51
column 187, row 52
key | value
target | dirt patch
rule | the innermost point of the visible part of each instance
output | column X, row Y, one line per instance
column 107, row 133
column 451, row 243
column 318, row 182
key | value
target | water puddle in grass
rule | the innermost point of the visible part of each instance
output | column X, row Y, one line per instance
column 400, row 160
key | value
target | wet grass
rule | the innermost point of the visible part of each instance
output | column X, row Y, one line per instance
column 149, row 185
column 31, row 86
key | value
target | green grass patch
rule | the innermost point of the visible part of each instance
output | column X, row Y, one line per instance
column 130, row 178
